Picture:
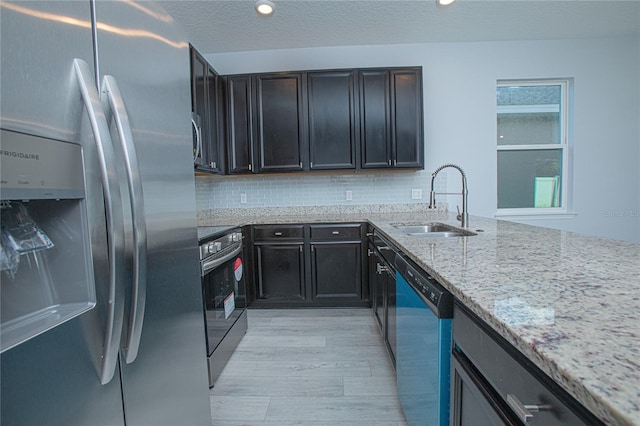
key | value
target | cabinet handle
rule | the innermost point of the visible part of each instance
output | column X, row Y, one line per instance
column 300, row 247
column 277, row 234
column 389, row 162
column 335, row 232
column 380, row 269
column 250, row 167
column 524, row 412
column 301, row 164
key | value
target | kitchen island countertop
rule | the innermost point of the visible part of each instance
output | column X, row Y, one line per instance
column 569, row 302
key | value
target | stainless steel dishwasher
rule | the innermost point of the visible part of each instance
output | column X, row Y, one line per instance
column 423, row 320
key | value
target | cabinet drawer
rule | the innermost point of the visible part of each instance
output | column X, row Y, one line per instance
column 516, row 380
column 348, row 231
column 278, row 232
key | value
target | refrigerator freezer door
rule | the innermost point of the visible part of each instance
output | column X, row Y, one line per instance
column 140, row 47
column 54, row 378
column 39, row 42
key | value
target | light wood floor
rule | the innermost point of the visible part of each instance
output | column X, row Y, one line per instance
column 315, row 367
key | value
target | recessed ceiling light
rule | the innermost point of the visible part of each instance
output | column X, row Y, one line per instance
column 444, row 2
column 265, row 7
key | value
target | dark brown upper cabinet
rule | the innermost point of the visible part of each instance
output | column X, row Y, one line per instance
column 332, row 119
column 207, row 107
column 240, row 124
column 406, row 118
column 325, row 120
column 280, row 122
column 215, row 120
column 375, row 126
column 391, row 118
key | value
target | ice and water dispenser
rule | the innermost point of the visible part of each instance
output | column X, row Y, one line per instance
column 47, row 273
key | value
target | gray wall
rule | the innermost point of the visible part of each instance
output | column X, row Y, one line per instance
column 460, row 126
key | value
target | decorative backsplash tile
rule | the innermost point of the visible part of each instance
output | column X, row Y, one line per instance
column 228, row 192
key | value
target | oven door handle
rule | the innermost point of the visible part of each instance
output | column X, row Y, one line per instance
column 208, row 265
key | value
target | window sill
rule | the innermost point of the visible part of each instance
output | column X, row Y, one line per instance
column 535, row 214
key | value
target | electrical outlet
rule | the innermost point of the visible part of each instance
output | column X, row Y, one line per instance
column 348, row 195
column 243, row 198
column 416, row 194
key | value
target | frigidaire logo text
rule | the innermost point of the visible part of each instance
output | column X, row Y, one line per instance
column 23, row 155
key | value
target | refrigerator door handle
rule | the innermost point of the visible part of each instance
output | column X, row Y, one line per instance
column 113, row 103
column 114, row 216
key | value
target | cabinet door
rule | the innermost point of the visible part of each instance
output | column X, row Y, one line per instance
column 332, row 120
column 391, row 331
column 280, row 272
column 199, row 71
column 376, row 284
column 375, row 130
column 510, row 379
column 280, row 122
column 239, row 124
column 406, row 118
column 473, row 401
column 336, row 271
column 211, row 141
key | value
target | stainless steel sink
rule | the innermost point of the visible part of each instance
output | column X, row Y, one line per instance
column 433, row 229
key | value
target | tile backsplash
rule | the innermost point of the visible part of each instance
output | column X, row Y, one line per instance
column 227, row 192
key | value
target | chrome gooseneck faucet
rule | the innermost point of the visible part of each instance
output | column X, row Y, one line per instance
column 464, row 216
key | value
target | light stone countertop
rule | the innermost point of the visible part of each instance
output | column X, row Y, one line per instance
column 569, row 302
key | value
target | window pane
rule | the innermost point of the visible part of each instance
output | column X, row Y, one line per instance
column 529, row 115
column 529, row 178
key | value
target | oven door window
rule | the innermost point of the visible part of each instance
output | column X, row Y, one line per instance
column 224, row 299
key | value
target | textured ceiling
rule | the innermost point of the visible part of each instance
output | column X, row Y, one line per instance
column 216, row 26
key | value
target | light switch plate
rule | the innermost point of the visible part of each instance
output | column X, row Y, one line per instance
column 416, row 194
column 348, row 195
column 243, row 198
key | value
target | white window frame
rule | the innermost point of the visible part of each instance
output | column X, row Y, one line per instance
column 563, row 146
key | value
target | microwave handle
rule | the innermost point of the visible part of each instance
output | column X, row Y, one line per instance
column 113, row 212
column 113, row 102
column 196, row 128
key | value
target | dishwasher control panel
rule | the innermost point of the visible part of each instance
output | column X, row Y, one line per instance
column 439, row 299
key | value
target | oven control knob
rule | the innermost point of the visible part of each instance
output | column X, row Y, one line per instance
column 236, row 236
column 214, row 247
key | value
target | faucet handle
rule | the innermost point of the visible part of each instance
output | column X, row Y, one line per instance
column 459, row 216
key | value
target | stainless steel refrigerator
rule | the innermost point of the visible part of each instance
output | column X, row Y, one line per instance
column 102, row 315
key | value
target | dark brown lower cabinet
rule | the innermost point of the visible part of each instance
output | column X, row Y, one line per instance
column 279, row 265
column 280, row 272
column 336, row 272
column 382, row 283
column 377, row 286
column 494, row 384
column 317, row 265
